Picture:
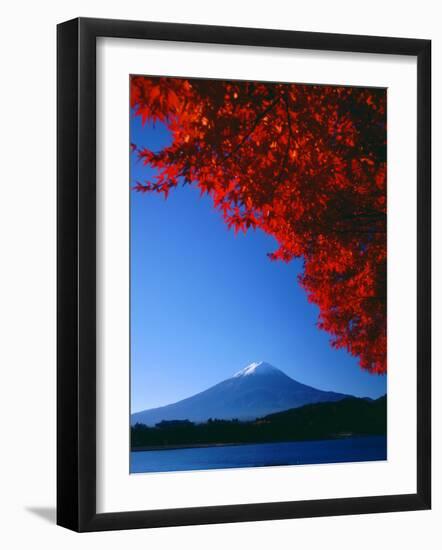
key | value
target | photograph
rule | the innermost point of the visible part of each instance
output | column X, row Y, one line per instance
column 258, row 274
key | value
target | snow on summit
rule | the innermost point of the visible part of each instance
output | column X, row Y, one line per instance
column 258, row 367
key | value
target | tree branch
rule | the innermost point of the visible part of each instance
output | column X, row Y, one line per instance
column 253, row 128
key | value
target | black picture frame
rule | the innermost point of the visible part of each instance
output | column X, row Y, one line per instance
column 77, row 287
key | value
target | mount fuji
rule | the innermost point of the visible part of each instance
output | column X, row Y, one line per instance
column 257, row 390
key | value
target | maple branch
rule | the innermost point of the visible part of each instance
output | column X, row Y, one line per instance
column 373, row 214
column 253, row 128
column 289, row 141
column 359, row 231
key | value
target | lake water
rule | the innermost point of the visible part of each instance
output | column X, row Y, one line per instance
column 352, row 449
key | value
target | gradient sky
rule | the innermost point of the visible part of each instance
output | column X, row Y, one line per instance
column 206, row 302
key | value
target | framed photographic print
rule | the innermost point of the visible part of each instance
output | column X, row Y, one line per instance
column 243, row 256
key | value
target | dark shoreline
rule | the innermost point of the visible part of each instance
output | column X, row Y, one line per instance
column 189, row 446
column 176, row 447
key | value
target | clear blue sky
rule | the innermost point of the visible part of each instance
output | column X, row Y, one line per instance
column 206, row 302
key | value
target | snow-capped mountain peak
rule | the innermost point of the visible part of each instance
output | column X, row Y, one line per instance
column 257, row 367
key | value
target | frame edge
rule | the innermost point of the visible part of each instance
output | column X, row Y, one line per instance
column 67, row 275
column 424, row 273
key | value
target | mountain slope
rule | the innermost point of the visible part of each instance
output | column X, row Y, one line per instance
column 257, row 390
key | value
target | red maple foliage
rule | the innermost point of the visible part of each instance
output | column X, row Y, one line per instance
column 304, row 163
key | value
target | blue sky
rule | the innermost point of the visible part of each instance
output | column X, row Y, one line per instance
column 206, row 302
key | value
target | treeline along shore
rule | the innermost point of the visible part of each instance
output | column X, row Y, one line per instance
column 346, row 418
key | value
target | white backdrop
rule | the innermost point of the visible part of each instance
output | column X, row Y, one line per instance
column 117, row 490
column 27, row 274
